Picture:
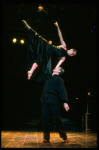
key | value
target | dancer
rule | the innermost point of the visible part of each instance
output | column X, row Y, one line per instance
column 39, row 50
column 54, row 93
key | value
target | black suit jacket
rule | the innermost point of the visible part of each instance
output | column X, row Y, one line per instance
column 54, row 91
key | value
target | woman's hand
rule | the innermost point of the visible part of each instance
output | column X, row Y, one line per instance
column 56, row 23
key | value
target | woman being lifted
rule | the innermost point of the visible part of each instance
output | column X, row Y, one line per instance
column 43, row 51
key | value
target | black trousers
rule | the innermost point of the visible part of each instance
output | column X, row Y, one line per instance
column 52, row 110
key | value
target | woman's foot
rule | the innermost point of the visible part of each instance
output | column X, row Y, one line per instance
column 25, row 23
column 29, row 74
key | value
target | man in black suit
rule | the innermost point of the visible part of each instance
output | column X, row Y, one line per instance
column 54, row 93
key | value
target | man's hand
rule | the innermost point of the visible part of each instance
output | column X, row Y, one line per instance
column 29, row 75
column 66, row 106
column 56, row 23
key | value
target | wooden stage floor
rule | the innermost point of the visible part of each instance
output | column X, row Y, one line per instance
column 28, row 139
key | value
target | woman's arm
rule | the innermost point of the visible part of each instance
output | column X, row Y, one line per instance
column 60, row 36
column 60, row 62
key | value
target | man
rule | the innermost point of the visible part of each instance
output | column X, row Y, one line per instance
column 53, row 93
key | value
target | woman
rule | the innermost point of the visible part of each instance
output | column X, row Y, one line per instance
column 40, row 51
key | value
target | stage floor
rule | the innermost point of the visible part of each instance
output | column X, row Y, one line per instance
column 25, row 139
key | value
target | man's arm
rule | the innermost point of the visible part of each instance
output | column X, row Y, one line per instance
column 62, row 92
column 63, row 95
column 60, row 36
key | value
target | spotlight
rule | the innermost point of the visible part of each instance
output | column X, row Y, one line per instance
column 50, row 42
column 89, row 93
column 22, row 41
column 40, row 8
column 14, row 40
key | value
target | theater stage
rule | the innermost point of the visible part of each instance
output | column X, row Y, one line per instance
column 29, row 139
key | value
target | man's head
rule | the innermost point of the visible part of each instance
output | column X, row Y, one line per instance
column 58, row 71
column 71, row 52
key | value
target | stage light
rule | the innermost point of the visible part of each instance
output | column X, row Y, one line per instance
column 14, row 40
column 22, row 41
column 50, row 42
column 76, row 97
column 40, row 8
column 89, row 94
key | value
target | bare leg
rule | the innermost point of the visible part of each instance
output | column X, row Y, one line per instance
column 27, row 26
column 34, row 66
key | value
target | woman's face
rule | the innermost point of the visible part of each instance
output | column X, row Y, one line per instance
column 71, row 52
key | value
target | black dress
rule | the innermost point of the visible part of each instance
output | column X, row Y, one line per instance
column 39, row 51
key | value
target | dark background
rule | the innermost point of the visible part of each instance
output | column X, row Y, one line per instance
column 78, row 23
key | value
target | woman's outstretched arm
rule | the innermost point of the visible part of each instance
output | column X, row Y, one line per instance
column 60, row 36
column 60, row 62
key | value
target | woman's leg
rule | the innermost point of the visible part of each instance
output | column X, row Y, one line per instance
column 34, row 66
column 27, row 26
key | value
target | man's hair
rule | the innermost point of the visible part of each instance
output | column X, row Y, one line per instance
column 61, row 71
